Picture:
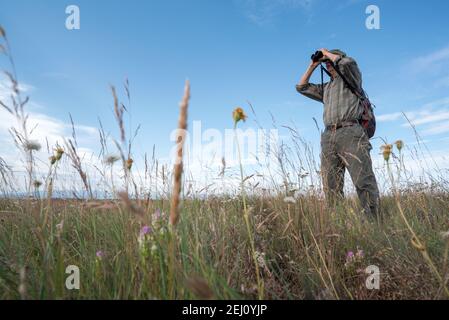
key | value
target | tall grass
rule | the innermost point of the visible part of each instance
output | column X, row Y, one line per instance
column 140, row 243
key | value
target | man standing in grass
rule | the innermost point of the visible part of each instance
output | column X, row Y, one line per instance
column 344, row 143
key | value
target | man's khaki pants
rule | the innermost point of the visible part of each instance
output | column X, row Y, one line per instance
column 349, row 148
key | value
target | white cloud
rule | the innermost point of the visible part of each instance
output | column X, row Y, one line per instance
column 431, row 68
column 389, row 117
column 42, row 128
column 433, row 116
column 440, row 128
column 431, row 60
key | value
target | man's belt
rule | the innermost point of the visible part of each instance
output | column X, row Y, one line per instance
column 335, row 127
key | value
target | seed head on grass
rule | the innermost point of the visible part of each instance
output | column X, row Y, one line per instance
column 178, row 168
column 399, row 144
column 32, row 145
column 119, row 110
column 386, row 151
column 111, row 159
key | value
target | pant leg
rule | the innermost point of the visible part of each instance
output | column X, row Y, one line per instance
column 332, row 169
column 354, row 148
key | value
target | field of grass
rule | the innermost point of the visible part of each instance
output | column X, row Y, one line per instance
column 173, row 244
column 302, row 250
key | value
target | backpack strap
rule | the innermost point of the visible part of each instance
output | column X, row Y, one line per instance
column 324, row 70
column 350, row 87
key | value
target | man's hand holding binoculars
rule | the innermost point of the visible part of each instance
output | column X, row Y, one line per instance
column 322, row 55
column 318, row 57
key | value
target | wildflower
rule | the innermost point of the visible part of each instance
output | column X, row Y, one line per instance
column 32, row 145
column 52, row 160
column 349, row 258
column 360, row 254
column 386, row 151
column 143, row 240
column 289, row 200
column 99, row 255
column 157, row 214
column 399, row 144
column 59, row 152
column 143, row 235
column 144, row 231
column 111, row 159
column 238, row 114
column 129, row 163
column 157, row 219
column 37, row 184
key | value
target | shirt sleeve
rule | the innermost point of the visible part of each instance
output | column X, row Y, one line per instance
column 348, row 67
column 312, row 91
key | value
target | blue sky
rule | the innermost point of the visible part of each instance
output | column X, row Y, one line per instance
column 231, row 51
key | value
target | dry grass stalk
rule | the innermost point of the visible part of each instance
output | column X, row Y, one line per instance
column 178, row 167
column 18, row 103
column 118, row 111
column 76, row 164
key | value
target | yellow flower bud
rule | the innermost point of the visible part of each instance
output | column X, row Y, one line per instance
column 238, row 115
